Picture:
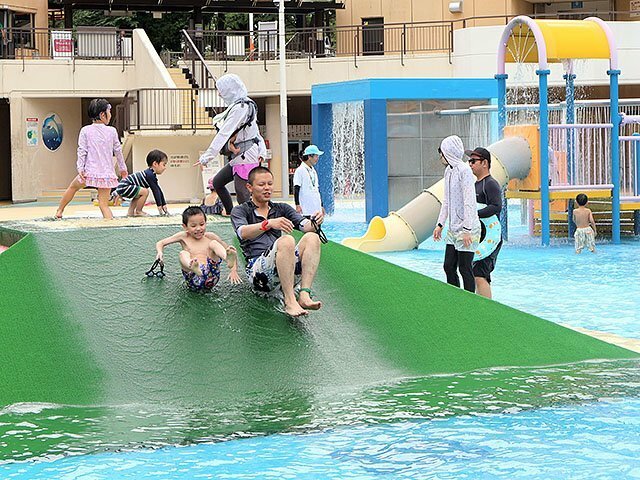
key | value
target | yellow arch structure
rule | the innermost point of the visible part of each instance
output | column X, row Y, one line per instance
column 564, row 39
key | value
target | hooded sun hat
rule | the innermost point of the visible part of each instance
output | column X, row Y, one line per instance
column 231, row 88
column 312, row 150
column 453, row 149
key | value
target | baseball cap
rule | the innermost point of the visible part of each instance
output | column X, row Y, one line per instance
column 312, row 150
column 480, row 152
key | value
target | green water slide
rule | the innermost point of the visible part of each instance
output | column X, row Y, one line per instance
column 81, row 326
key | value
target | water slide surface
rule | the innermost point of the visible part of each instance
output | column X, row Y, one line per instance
column 99, row 357
column 412, row 224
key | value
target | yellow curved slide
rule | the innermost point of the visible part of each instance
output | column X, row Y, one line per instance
column 412, row 224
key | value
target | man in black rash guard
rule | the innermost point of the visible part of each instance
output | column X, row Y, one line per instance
column 488, row 192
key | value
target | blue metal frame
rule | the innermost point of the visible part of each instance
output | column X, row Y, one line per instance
column 502, row 122
column 615, row 156
column 321, row 127
column 502, row 102
column 376, row 166
column 375, row 93
column 544, row 155
column 571, row 118
column 636, row 150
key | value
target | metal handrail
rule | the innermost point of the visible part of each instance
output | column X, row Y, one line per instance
column 168, row 109
column 195, row 50
column 64, row 43
column 400, row 38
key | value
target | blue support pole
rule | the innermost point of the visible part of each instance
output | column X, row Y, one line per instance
column 376, row 168
column 571, row 118
column 502, row 122
column 615, row 156
column 636, row 150
column 544, row 155
column 504, row 216
column 502, row 102
column 322, row 125
column 636, row 186
column 571, row 226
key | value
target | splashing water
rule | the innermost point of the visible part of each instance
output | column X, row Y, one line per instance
column 348, row 149
column 479, row 128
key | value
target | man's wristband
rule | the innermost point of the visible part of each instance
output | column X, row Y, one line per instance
column 264, row 226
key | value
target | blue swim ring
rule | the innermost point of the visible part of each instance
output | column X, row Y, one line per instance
column 490, row 237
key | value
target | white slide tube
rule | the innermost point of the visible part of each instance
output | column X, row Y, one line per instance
column 412, row 224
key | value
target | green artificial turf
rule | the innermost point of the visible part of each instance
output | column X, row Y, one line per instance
column 81, row 323
column 131, row 361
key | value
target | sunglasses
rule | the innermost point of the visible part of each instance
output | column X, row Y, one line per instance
column 474, row 160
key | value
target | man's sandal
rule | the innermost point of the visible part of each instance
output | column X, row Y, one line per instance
column 308, row 290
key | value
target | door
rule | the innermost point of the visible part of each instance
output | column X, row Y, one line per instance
column 373, row 36
column 5, row 150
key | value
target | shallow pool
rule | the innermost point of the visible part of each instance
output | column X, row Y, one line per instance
column 598, row 291
column 571, row 421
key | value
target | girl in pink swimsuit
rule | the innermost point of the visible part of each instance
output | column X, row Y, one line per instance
column 97, row 145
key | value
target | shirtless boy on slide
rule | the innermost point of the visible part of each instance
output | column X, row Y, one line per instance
column 202, row 252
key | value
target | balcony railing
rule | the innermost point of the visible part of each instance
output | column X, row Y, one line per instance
column 168, row 109
column 396, row 39
column 350, row 41
column 62, row 44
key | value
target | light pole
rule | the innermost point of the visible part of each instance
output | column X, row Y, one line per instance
column 284, row 122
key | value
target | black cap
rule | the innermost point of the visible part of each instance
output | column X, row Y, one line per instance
column 479, row 152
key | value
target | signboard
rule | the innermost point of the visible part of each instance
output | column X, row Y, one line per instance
column 576, row 4
column 299, row 132
column 32, row 131
column 179, row 160
column 634, row 5
column 61, row 44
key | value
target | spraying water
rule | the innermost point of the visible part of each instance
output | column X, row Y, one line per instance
column 348, row 150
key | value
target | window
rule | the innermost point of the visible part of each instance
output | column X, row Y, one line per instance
column 373, row 36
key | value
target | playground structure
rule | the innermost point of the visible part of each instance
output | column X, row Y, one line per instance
column 562, row 41
column 413, row 223
column 574, row 146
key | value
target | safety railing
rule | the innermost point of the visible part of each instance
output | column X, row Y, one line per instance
column 310, row 43
column 197, row 65
column 169, row 109
column 580, row 154
column 104, row 43
column 397, row 39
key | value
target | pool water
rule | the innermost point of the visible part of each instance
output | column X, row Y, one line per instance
column 588, row 441
column 571, row 421
column 598, row 291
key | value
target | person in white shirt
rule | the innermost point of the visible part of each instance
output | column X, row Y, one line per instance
column 306, row 191
column 460, row 208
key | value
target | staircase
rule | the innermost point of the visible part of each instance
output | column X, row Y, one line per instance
column 202, row 114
